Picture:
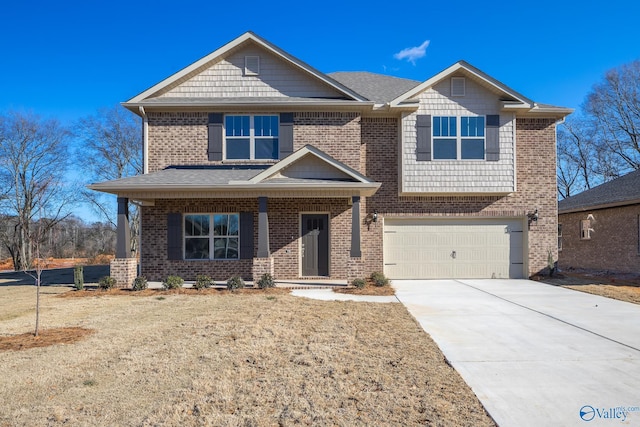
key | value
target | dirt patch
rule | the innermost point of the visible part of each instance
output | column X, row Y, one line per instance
column 367, row 290
column 227, row 359
column 45, row 338
column 623, row 287
column 95, row 292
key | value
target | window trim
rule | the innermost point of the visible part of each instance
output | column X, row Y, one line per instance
column 211, row 236
column 560, row 237
column 585, row 229
column 252, row 138
column 458, row 138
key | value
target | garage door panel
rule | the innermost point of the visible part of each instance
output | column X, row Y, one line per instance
column 472, row 248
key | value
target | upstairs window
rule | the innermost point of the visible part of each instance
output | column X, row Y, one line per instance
column 458, row 138
column 251, row 137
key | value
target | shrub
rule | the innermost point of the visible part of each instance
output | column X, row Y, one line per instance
column 234, row 283
column 358, row 283
column 106, row 283
column 140, row 283
column 379, row 279
column 173, row 282
column 78, row 277
column 266, row 281
column 202, row 281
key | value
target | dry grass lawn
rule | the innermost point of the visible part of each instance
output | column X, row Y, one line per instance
column 623, row 289
column 221, row 359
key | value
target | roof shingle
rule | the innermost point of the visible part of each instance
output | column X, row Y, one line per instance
column 620, row 191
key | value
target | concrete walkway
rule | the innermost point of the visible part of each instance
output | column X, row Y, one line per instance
column 535, row 354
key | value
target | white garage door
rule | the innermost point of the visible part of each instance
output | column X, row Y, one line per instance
column 453, row 248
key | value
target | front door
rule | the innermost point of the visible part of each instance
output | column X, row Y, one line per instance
column 315, row 245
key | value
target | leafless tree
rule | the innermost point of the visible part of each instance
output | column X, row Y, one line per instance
column 614, row 106
column 33, row 162
column 112, row 149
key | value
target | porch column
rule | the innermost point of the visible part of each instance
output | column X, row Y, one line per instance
column 123, row 236
column 355, row 227
column 263, row 229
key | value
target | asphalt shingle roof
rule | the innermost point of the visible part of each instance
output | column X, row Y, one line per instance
column 620, row 190
column 375, row 87
column 182, row 176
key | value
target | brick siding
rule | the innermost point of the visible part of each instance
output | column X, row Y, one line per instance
column 614, row 243
column 536, row 188
column 369, row 145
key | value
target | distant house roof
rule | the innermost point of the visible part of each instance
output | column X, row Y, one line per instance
column 375, row 87
column 619, row 192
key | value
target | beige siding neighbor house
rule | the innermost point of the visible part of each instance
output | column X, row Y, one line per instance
column 255, row 162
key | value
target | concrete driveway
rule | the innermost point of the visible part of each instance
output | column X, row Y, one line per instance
column 535, row 354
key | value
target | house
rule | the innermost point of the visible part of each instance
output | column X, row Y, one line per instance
column 599, row 229
column 255, row 162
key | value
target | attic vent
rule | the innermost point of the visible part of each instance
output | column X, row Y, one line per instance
column 457, row 86
column 251, row 65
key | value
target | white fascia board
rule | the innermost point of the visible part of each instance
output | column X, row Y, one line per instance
column 461, row 65
column 231, row 45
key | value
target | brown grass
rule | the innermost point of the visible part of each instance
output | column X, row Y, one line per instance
column 223, row 359
column 369, row 289
column 606, row 285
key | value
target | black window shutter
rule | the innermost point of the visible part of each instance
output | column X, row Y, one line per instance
column 174, row 236
column 286, row 134
column 492, row 152
column 246, row 235
column 214, row 149
column 423, row 134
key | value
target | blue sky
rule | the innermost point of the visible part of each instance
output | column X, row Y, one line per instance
column 66, row 59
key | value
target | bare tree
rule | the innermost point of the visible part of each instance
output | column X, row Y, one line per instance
column 112, row 148
column 33, row 163
column 614, row 106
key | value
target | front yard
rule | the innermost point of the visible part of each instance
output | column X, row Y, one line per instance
column 253, row 358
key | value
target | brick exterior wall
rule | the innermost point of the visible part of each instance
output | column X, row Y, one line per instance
column 284, row 223
column 182, row 138
column 614, row 243
column 366, row 144
column 124, row 270
column 536, row 188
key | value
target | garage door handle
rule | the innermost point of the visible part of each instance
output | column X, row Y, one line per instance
column 453, row 254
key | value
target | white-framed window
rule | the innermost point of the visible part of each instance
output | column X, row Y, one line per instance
column 458, row 137
column 585, row 229
column 211, row 236
column 251, row 137
column 559, row 237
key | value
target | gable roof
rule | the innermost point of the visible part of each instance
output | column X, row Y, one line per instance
column 511, row 100
column 309, row 150
column 247, row 37
column 618, row 192
column 334, row 180
column 375, row 87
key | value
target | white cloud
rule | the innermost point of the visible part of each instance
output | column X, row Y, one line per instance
column 411, row 54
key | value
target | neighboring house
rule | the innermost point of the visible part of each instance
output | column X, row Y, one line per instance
column 256, row 162
column 599, row 229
